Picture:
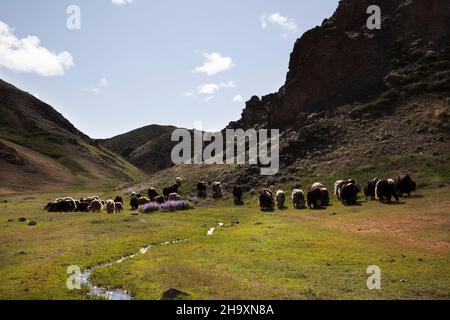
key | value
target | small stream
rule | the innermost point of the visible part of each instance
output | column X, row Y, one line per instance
column 211, row 231
column 115, row 294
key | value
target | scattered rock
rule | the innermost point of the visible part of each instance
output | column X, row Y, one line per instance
column 174, row 294
column 22, row 253
column 32, row 223
column 420, row 260
column 135, row 214
column 334, row 214
column 402, row 280
column 234, row 222
column 10, row 220
column 22, row 219
column 258, row 223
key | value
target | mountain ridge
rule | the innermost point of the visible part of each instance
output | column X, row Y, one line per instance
column 42, row 150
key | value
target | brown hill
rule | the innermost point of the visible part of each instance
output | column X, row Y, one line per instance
column 41, row 150
column 148, row 148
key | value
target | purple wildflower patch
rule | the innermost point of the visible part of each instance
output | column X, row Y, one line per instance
column 169, row 206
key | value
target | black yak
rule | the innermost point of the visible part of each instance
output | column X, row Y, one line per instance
column 237, row 195
column 201, row 190
column 266, row 201
column 349, row 193
column 405, row 185
column 298, row 199
column 385, row 190
column 369, row 188
column 152, row 194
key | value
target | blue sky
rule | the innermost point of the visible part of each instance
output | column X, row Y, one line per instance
column 144, row 62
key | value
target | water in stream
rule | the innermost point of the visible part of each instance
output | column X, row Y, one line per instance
column 116, row 294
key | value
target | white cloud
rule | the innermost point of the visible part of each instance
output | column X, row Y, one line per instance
column 27, row 55
column 214, row 64
column 212, row 88
column 190, row 94
column 102, row 84
column 238, row 98
column 121, row 2
column 209, row 88
column 229, row 84
column 286, row 24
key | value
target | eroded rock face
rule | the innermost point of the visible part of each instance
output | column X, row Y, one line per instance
column 343, row 61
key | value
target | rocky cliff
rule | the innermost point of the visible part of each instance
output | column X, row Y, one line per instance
column 342, row 61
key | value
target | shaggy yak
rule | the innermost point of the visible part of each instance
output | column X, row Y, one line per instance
column 369, row 188
column 349, row 193
column 237, row 195
column 174, row 197
column 266, row 202
column 118, row 207
column 62, row 205
column 168, row 190
column 83, row 206
column 351, row 188
column 298, row 199
column 281, row 199
column 143, row 200
column 217, row 190
column 160, row 199
column 173, row 188
column 95, row 206
column 118, row 199
column 405, row 185
column 317, row 196
column 134, row 202
column 201, row 190
column 385, row 190
column 110, row 206
column 152, row 194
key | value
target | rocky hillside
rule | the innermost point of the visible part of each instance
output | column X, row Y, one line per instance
column 342, row 61
column 358, row 102
column 41, row 150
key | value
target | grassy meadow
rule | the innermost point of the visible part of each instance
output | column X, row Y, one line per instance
column 289, row 254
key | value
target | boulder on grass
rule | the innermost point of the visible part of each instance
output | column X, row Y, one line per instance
column 174, row 294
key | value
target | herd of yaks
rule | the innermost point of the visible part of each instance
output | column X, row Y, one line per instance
column 317, row 196
column 345, row 191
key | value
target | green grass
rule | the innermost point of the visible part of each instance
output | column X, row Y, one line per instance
column 281, row 255
column 383, row 103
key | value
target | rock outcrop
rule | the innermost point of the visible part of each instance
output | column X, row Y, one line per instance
column 342, row 61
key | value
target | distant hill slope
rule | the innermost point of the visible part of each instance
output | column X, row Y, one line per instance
column 41, row 150
column 148, row 148
column 356, row 102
